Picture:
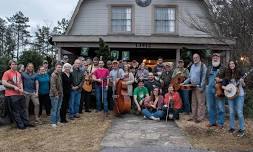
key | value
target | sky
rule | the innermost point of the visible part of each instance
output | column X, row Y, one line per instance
column 40, row 12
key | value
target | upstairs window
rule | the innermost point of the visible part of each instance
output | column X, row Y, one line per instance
column 165, row 20
column 121, row 19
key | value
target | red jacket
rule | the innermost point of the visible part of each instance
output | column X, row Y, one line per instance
column 177, row 100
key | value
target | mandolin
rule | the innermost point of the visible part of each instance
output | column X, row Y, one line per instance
column 219, row 92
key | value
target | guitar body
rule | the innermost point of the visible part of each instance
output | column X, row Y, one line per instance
column 219, row 92
column 231, row 91
column 87, row 85
column 122, row 101
column 177, row 80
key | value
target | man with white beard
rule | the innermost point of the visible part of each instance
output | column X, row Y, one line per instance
column 215, row 105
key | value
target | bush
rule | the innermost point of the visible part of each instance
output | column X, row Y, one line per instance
column 3, row 65
column 31, row 57
column 248, row 105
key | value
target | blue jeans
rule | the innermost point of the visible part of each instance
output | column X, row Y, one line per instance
column 74, row 103
column 98, row 90
column 236, row 105
column 55, row 109
column 215, row 106
column 157, row 114
column 186, row 101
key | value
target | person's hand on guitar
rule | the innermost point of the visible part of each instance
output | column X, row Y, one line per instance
column 242, row 82
column 218, row 80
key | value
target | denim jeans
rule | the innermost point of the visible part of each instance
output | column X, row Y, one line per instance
column 215, row 107
column 186, row 101
column 149, row 113
column 98, row 90
column 55, row 109
column 236, row 105
column 74, row 102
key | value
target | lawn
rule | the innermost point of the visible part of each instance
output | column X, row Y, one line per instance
column 83, row 134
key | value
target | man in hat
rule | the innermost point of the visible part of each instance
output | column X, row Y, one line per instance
column 45, row 65
column 215, row 104
column 115, row 74
column 166, row 77
column 181, row 71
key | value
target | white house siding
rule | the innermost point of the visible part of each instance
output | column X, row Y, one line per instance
column 94, row 17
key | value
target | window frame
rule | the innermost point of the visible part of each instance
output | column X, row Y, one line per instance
column 111, row 32
column 154, row 20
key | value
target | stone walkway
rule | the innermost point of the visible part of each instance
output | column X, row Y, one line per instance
column 135, row 134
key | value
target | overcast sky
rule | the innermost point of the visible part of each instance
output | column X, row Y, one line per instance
column 40, row 12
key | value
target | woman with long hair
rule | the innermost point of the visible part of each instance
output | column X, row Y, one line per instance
column 232, row 74
column 152, row 108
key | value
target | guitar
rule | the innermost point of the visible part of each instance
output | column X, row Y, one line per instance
column 87, row 85
column 178, row 79
column 232, row 90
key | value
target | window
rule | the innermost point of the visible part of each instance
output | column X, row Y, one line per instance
column 165, row 20
column 121, row 19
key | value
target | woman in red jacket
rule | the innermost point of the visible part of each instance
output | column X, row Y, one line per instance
column 172, row 101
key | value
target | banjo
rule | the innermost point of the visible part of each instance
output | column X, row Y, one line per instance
column 231, row 90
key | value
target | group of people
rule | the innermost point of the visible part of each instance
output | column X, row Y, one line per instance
column 69, row 88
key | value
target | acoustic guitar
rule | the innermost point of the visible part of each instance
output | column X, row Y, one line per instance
column 178, row 79
column 87, row 85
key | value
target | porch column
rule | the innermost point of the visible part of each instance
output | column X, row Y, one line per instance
column 58, row 57
column 177, row 56
column 227, row 55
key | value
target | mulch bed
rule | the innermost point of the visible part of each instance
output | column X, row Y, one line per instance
column 216, row 139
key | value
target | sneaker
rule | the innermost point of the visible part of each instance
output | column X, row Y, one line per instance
column 54, row 125
column 77, row 115
column 241, row 133
column 144, row 117
column 154, row 118
column 71, row 118
column 231, row 130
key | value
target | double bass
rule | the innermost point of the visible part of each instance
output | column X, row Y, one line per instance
column 122, row 99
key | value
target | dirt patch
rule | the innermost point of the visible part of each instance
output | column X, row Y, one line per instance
column 216, row 139
column 83, row 134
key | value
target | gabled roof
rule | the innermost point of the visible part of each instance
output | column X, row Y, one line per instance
column 79, row 4
column 71, row 22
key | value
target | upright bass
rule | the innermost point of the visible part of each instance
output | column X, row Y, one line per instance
column 122, row 102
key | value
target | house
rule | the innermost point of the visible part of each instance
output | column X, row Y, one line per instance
column 139, row 29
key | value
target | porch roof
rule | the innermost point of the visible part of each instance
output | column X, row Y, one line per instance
column 132, row 41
